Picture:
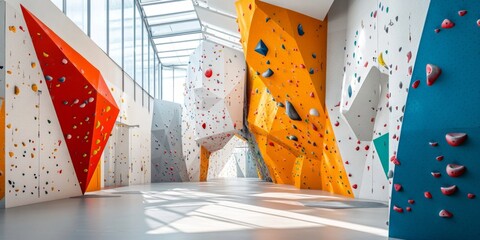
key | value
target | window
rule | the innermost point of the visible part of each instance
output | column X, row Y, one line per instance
column 138, row 47
column 115, row 31
column 77, row 12
column 145, row 58
column 167, row 87
column 128, row 37
column 98, row 31
column 59, row 4
column 151, row 68
column 180, row 75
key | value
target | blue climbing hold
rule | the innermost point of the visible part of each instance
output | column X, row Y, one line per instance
column 311, row 71
column 62, row 79
column 48, row 78
column 300, row 30
column 349, row 90
column 261, row 48
column 267, row 73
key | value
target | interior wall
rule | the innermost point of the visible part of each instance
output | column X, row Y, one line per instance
column 2, row 107
column 40, row 167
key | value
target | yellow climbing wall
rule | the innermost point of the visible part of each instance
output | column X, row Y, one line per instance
column 204, row 161
column 286, row 55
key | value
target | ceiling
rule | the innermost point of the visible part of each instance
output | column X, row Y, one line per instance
column 178, row 26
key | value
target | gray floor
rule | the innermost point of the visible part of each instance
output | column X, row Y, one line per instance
column 223, row 210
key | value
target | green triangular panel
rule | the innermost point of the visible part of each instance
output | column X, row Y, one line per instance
column 381, row 144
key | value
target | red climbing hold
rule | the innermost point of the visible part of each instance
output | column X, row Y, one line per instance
column 445, row 214
column 462, row 13
column 471, row 196
column 433, row 72
column 449, row 190
column 439, row 158
column 394, row 160
column 367, row 147
column 354, row 186
column 337, row 124
column 478, row 22
column 411, row 201
column 314, row 128
column 447, row 24
column 415, row 84
column 204, row 125
column 271, row 144
column 436, row 174
column 433, row 144
column 427, row 195
column 456, row 139
column 397, row 209
column 409, row 209
column 454, row 170
column 409, row 57
column 397, row 187
column 208, row 73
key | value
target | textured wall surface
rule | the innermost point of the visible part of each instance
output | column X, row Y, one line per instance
column 168, row 164
column 287, row 101
column 444, row 199
column 2, row 108
column 233, row 161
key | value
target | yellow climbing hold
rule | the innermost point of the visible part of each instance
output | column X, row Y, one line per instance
column 45, row 54
column 108, row 109
column 381, row 61
column 12, row 28
column 9, row 125
column 85, row 170
column 16, row 90
column 11, row 154
column 34, row 87
column 98, row 124
column 34, row 65
column 98, row 141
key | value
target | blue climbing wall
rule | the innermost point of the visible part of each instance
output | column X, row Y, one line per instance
column 449, row 105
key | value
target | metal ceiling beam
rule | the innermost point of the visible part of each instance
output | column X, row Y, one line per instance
column 159, row 2
column 177, row 34
column 206, row 26
column 176, row 56
column 182, row 41
column 224, row 39
column 213, row 10
column 173, row 22
column 177, row 50
column 170, row 14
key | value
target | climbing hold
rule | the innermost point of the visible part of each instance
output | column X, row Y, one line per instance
column 415, row 84
column 427, row 195
column 300, row 30
column 454, row 170
column 91, row 99
column 314, row 56
column 354, row 186
column 478, row 22
column 48, row 78
column 16, row 90
column 381, row 61
column 267, row 19
column 62, row 79
column 267, row 73
column 69, row 136
column 261, row 48
column 409, row 209
column 462, row 13
column 208, row 73
column 64, row 61
column 471, row 196
column 409, row 56
column 204, row 125
column 397, row 187
column 314, row 112
column 291, row 112
column 445, row 214
column 271, row 144
column 397, row 209
column 311, row 71
column 293, row 138
column 433, row 72
column 456, row 139
column 390, row 174
column 394, row 160
column 433, row 144
column 439, row 158
column 447, row 24
column 279, row 104
column 436, row 174
column 33, row 65
column 411, row 201
column 34, row 87
column 314, row 128
column 449, row 190
column 350, row 92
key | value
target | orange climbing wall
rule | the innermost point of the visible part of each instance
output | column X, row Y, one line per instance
column 301, row 152
column 95, row 182
column 2, row 150
column 204, row 160
column 83, row 103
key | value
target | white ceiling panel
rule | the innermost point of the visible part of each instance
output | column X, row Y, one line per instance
column 314, row 8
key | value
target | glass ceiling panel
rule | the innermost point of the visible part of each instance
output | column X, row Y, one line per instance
column 175, row 61
column 177, row 46
column 177, row 38
column 169, row 7
column 175, row 53
column 175, row 28
column 181, row 16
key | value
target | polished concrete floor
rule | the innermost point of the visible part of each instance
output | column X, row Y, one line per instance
column 222, row 209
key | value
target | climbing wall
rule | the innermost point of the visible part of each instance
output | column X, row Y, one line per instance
column 38, row 158
column 214, row 103
column 168, row 164
column 215, row 87
column 439, row 142
column 371, row 44
column 233, row 161
column 286, row 53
